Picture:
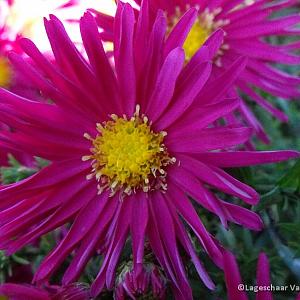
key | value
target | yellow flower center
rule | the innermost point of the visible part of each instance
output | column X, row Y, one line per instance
column 128, row 155
column 5, row 72
column 196, row 38
column 203, row 27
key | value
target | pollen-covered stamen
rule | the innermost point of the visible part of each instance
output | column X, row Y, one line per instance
column 128, row 155
column 5, row 72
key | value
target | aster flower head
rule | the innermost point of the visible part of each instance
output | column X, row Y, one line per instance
column 12, row 291
column 148, row 283
column 248, row 26
column 128, row 146
column 234, row 283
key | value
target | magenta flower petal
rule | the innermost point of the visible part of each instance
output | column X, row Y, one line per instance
column 263, row 277
column 199, row 118
column 166, row 229
column 214, row 42
column 225, row 81
column 120, row 230
column 172, row 266
column 153, row 57
column 234, row 282
column 243, row 216
column 180, row 31
column 90, row 241
column 165, row 85
column 221, row 159
column 27, row 292
column 210, row 139
column 99, row 61
column 124, row 60
column 89, row 215
column 23, row 292
column 141, row 42
column 218, row 178
column 187, row 244
column 232, row 278
column 187, row 211
column 139, row 223
column 265, row 104
column 186, row 93
column 107, row 23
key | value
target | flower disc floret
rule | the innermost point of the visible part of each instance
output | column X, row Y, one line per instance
column 203, row 27
column 196, row 38
column 127, row 154
column 5, row 72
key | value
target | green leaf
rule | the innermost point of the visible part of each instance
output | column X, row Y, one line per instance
column 287, row 255
column 15, row 172
column 292, row 179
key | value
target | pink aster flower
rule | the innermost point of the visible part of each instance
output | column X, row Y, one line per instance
column 149, row 282
column 234, row 283
column 247, row 25
column 128, row 146
column 28, row 292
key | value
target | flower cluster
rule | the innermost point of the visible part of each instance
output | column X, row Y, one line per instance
column 138, row 141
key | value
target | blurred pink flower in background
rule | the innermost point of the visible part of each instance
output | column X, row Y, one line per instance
column 248, row 27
